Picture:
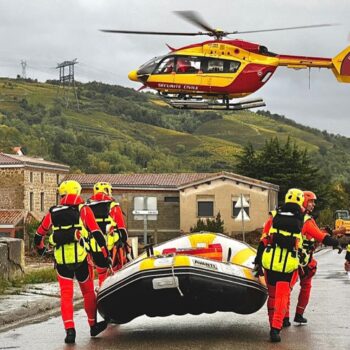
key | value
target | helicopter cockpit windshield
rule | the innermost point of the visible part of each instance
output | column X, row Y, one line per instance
column 148, row 67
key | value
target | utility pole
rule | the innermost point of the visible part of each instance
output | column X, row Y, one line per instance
column 24, row 66
column 67, row 80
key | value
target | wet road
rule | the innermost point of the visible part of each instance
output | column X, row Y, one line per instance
column 328, row 315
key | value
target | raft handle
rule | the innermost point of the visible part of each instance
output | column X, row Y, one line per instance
column 229, row 253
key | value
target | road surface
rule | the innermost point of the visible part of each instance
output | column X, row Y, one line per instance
column 328, row 328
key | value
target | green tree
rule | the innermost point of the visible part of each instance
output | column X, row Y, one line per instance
column 285, row 165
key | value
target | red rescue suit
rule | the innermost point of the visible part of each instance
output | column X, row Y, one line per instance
column 82, row 271
column 105, row 206
column 312, row 234
column 279, row 284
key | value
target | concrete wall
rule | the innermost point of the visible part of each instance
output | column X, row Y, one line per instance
column 223, row 192
column 11, row 257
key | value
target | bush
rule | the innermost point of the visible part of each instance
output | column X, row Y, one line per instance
column 211, row 225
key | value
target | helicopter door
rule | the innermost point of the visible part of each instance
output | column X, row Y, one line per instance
column 188, row 73
column 164, row 73
column 218, row 72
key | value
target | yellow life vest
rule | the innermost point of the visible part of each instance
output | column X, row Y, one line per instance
column 282, row 255
column 106, row 223
column 66, row 220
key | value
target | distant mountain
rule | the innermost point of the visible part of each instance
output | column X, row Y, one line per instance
column 117, row 129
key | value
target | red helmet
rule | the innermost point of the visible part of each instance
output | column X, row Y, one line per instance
column 308, row 196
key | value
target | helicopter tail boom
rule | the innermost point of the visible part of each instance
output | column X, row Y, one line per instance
column 341, row 66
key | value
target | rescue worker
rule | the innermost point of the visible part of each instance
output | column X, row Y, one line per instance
column 347, row 259
column 311, row 235
column 72, row 223
column 278, row 254
column 109, row 217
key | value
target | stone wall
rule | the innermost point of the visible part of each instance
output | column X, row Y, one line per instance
column 43, row 186
column 11, row 188
column 11, row 258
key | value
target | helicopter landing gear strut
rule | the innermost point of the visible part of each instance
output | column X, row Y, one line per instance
column 216, row 104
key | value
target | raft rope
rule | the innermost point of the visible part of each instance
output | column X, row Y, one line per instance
column 173, row 273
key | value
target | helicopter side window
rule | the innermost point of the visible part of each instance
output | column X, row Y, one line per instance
column 215, row 66
column 233, row 66
column 188, row 65
column 166, row 66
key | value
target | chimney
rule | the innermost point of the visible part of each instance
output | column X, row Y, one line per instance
column 18, row 151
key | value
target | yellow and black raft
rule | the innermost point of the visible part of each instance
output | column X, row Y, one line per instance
column 196, row 273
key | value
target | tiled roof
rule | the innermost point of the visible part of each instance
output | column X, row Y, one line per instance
column 6, row 159
column 171, row 181
column 10, row 217
column 17, row 160
column 138, row 180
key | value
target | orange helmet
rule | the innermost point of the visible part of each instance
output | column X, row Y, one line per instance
column 308, row 196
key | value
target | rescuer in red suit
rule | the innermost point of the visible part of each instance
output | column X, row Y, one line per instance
column 312, row 235
column 109, row 217
column 72, row 224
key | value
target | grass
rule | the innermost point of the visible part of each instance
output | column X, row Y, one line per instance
column 44, row 275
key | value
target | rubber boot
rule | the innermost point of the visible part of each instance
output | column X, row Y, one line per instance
column 70, row 336
column 97, row 328
column 275, row 335
column 300, row 319
column 286, row 322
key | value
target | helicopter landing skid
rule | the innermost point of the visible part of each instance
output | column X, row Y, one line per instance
column 220, row 105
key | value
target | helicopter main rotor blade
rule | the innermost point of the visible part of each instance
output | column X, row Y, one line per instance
column 152, row 33
column 286, row 28
column 194, row 18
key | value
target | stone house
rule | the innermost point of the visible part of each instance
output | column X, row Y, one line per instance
column 28, row 188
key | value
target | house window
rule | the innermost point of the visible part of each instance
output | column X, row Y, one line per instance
column 42, row 201
column 57, row 179
column 171, row 199
column 31, row 176
column 31, row 201
column 42, row 177
column 236, row 211
column 205, row 208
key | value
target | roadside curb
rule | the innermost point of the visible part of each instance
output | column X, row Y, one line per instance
column 34, row 304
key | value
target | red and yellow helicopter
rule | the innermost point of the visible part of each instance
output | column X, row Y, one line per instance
column 209, row 75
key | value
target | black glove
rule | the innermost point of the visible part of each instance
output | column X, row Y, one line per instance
column 257, row 270
column 328, row 230
column 123, row 235
column 41, row 251
column 330, row 241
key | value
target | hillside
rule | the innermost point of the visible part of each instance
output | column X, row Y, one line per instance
column 119, row 130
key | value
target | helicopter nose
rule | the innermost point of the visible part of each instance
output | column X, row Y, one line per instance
column 133, row 75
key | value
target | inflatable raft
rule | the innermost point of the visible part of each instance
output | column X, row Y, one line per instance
column 197, row 273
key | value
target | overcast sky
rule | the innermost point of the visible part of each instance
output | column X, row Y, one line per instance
column 46, row 32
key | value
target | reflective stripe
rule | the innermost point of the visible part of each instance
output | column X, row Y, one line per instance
column 55, row 228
